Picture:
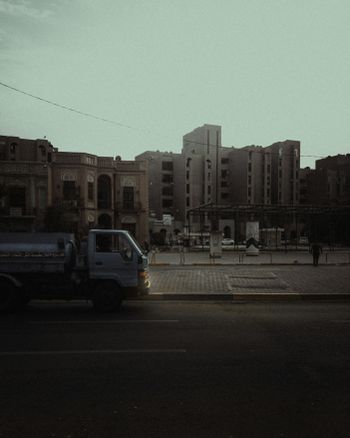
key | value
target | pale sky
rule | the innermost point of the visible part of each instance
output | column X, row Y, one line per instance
column 265, row 70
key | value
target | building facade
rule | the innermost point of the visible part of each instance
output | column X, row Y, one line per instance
column 205, row 172
column 45, row 189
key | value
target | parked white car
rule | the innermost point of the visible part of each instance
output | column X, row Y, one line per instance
column 227, row 241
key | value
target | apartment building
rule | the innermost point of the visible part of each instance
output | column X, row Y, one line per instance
column 331, row 180
column 166, row 183
column 206, row 172
column 24, row 182
column 285, row 168
column 249, row 180
column 46, row 189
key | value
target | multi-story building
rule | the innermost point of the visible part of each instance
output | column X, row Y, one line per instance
column 331, row 180
column 327, row 188
column 43, row 188
column 24, row 182
column 165, row 174
column 285, row 167
column 250, row 175
column 306, row 180
column 206, row 172
column 328, row 183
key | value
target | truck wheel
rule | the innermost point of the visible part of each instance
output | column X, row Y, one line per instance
column 107, row 297
column 8, row 296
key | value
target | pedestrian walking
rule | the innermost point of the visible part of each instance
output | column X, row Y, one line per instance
column 315, row 250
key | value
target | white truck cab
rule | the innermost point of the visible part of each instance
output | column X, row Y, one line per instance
column 109, row 267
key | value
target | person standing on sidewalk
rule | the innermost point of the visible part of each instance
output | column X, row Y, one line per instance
column 315, row 250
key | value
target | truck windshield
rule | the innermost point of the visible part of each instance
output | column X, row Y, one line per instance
column 107, row 242
column 135, row 242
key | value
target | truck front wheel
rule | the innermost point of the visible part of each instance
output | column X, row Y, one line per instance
column 107, row 297
column 9, row 297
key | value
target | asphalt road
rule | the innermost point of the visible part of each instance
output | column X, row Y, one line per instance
column 176, row 369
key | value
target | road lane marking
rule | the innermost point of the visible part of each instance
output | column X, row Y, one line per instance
column 132, row 321
column 76, row 352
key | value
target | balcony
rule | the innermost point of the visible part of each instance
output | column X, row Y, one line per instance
column 105, row 162
column 68, row 204
column 75, row 158
column 17, row 212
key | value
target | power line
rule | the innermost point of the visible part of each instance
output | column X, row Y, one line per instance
column 73, row 109
column 123, row 125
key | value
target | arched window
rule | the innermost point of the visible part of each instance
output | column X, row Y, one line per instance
column 104, row 192
column 105, row 221
column 13, row 147
column 227, row 232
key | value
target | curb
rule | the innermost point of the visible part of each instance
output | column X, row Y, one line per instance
column 187, row 297
column 245, row 297
column 242, row 264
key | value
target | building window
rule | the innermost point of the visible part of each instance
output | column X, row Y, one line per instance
column 250, row 155
column 249, row 167
column 167, row 191
column 187, row 202
column 224, row 195
column 43, row 152
column 69, row 192
column 17, row 197
column 224, row 160
column 128, row 197
column 167, row 203
column 104, row 191
column 209, row 190
column 187, row 188
column 167, row 178
column 224, row 173
column 187, row 174
column 249, row 179
column 13, row 151
column 42, row 198
column 167, row 165
column 90, row 191
column 249, row 191
column 224, row 184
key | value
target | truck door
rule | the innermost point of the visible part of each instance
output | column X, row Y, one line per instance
column 114, row 258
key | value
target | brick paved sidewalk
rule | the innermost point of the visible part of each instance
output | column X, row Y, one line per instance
column 249, row 280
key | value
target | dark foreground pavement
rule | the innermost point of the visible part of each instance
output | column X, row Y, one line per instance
column 176, row 369
column 250, row 282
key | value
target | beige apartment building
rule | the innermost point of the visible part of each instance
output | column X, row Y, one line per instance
column 43, row 188
column 206, row 172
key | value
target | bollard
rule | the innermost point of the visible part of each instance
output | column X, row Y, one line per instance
column 182, row 256
column 153, row 256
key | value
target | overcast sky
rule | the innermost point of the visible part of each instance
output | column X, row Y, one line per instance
column 265, row 70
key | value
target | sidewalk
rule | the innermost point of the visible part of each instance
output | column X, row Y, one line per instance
column 291, row 276
column 232, row 257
